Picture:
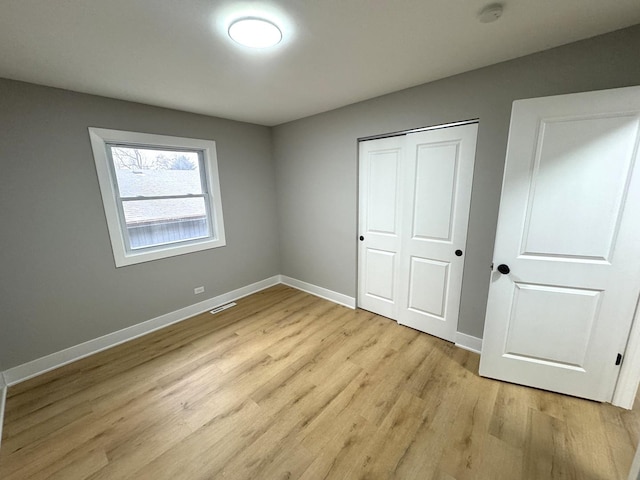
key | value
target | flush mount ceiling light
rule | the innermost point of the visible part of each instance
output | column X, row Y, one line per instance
column 255, row 33
column 490, row 13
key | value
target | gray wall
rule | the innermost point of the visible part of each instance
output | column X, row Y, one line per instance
column 59, row 285
column 316, row 157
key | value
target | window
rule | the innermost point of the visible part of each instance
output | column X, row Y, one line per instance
column 161, row 194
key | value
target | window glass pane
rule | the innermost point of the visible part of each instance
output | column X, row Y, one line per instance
column 150, row 172
column 158, row 222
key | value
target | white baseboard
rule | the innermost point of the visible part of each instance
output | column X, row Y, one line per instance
column 473, row 344
column 3, row 401
column 58, row 359
column 321, row 292
column 55, row 360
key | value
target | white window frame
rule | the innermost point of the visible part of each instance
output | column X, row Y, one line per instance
column 101, row 139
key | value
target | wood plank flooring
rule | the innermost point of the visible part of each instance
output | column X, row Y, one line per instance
column 289, row 386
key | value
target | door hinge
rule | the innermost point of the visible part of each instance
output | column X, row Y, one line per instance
column 619, row 359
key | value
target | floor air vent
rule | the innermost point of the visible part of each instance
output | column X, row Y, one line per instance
column 223, row 307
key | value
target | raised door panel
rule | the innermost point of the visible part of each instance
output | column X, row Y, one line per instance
column 428, row 286
column 579, row 182
column 379, row 278
column 382, row 192
column 552, row 325
column 435, row 191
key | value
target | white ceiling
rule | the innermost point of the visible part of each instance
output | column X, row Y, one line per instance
column 175, row 53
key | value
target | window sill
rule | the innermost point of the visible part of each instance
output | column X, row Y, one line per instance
column 123, row 259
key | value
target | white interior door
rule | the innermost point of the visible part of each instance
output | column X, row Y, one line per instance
column 569, row 231
column 381, row 162
column 437, row 194
column 413, row 225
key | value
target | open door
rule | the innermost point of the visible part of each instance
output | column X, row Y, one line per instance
column 566, row 273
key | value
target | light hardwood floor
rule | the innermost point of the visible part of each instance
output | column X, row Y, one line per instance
column 288, row 386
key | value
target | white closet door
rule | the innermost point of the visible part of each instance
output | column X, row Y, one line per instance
column 415, row 193
column 568, row 244
column 437, row 197
column 380, row 224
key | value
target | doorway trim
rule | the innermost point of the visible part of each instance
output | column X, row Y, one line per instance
column 399, row 133
column 626, row 388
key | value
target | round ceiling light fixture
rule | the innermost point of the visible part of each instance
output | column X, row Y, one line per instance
column 255, row 32
column 490, row 13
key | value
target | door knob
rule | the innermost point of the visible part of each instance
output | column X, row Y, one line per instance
column 458, row 253
column 361, row 238
column 504, row 269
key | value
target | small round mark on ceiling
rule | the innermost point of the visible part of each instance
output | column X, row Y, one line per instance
column 490, row 13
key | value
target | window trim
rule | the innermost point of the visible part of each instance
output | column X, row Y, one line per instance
column 101, row 140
